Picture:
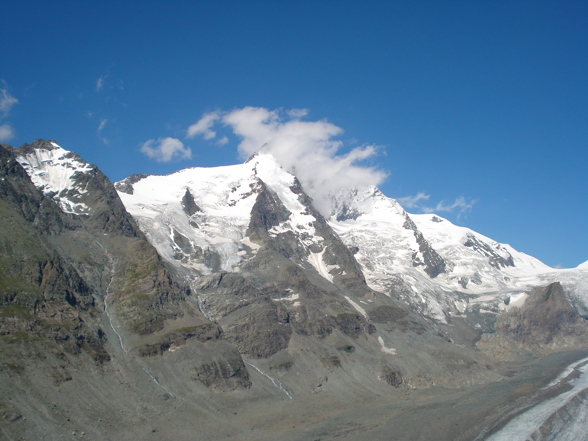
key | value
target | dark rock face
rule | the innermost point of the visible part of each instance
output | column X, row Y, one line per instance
column 250, row 304
column 387, row 313
column 392, row 376
column 126, row 185
column 223, row 375
column 17, row 189
column 189, row 204
column 345, row 213
column 268, row 211
column 42, row 296
column 495, row 259
column 177, row 338
column 546, row 322
column 431, row 260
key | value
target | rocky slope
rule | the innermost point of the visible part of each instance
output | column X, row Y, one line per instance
column 206, row 290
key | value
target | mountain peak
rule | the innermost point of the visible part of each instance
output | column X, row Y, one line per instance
column 56, row 172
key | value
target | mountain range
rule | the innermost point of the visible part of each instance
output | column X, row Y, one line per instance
column 221, row 301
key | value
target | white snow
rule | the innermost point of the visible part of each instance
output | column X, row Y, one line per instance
column 53, row 172
column 226, row 196
column 293, row 297
column 316, row 260
column 357, row 307
column 385, row 349
column 516, row 300
column 461, row 306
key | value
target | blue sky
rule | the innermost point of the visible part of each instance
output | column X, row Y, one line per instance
column 481, row 108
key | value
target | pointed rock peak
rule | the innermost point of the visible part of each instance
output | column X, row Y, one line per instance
column 189, row 205
column 126, row 185
column 263, row 150
column 252, row 157
column 41, row 144
column 352, row 203
column 60, row 174
column 50, row 152
column 497, row 256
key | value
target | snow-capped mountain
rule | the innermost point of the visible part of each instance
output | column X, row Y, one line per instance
column 430, row 262
column 222, row 280
column 199, row 220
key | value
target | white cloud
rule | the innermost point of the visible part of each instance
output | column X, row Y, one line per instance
column 413, row 201
column 6, row 102
column 308, row 149
column 202, row 127
column 461, row 205
column 6, row 132
column 102, row 124
column 100, row 83
column 166, row 149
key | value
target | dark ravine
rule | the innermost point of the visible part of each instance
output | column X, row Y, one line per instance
column 101, row 338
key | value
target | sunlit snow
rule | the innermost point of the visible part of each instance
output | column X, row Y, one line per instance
column 53, row 172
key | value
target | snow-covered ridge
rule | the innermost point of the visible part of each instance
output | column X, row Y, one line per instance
column 224, row 197
column 54, row 170
column 213, row 236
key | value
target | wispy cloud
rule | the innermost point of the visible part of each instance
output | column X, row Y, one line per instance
column 166, row 149
column 415, row 201
column 308, row 149
column 100, row 83
column 6, row 102
column 419, row 203
column 101, row 126
column 297, row 113
column 203, row 126
column 6, row 132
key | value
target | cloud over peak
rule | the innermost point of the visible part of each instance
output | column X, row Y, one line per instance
column 308, row 149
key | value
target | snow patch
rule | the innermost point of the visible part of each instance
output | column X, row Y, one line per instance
column 385, row 349
column 515, row 301
column 316, row 260
column 357, row 307
column 293, row 297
